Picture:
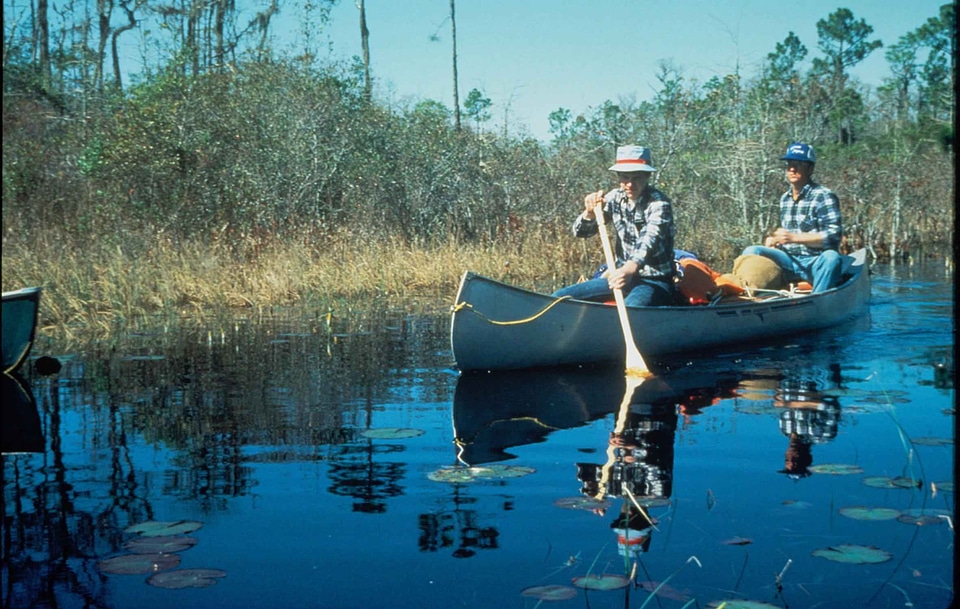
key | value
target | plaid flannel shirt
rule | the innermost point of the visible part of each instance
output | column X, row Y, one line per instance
column 644, row 232
column 816, row 211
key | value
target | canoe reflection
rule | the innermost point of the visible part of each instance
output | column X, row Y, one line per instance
column 22, row 432
column 496, row 411
column 493, row 412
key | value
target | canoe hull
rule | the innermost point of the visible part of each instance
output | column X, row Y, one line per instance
column 20, row 310
column 500, row 327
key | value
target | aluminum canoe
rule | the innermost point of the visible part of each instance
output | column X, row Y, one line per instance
column 20, row 309
column 496, row 326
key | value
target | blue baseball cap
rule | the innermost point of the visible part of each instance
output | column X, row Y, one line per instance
column 800, row 152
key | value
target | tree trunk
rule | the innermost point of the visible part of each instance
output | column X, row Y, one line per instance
column 43, row 38
column 365, row 44
column 456, row 95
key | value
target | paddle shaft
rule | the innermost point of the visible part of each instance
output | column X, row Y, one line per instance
column 635, row 364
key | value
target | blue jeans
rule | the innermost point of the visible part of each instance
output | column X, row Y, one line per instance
column 823, row 270
column 645, row 292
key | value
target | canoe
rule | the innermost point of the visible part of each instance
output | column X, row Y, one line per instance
column 496, row 326
column 20, row 309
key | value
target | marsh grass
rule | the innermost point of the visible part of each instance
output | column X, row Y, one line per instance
column 99, row 287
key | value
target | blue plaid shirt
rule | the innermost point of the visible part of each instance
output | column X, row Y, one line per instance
column 816, row 211
column 644, row 232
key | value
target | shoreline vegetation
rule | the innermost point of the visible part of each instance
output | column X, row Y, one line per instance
column 233, row 175
column 99, row 291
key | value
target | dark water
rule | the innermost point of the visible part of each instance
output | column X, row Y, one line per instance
column 255, row 429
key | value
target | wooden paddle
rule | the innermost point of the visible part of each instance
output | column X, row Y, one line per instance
column 635, row 364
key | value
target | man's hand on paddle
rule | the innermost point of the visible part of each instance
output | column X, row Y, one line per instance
column 590, row 203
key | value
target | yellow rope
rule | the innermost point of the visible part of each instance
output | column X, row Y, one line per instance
column 466, row 305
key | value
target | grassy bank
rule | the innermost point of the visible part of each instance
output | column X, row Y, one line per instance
column 97, row 288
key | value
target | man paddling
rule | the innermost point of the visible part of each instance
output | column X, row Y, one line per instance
column 808, row 240
column 643, row 218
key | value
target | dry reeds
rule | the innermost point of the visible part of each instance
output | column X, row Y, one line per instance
column 98, row 287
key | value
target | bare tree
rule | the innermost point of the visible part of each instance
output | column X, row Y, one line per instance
column 365, row 44
column 456, row 94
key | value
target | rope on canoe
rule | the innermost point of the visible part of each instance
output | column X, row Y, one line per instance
column 466, row 305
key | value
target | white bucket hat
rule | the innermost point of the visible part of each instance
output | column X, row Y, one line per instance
column 633, row 158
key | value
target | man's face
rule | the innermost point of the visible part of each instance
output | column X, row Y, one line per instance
column 633, row 183
column 799, row 172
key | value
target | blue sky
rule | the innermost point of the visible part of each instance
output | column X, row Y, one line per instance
column 531, row 57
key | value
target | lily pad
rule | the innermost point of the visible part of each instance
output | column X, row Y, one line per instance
column 155, row 528
column 138, row 564
column 452, row 474
column 499, row 470
column 588, row 504
column 605, row 581
column 737, row 541
column 186, row 578
column 665, row 590
column 853, row 554
column 391, row 433
column 906, row 482
column 741, row 604
column 887, row 482
column 836, row 469
column 167, row 544
column 471, row 474
column 879, row 482
column 868, row 513
column 550, row 593
column 923, row 516
column 931, row 441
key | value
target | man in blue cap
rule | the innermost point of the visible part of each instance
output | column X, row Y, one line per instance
column 808, row 240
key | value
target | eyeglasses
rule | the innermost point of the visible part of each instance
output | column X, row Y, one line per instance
column 631, row 177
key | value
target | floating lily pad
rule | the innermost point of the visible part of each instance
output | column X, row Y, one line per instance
column 605, row 581
column 665, row 590
column 836, row 469
column 452, row 474
column 138, row 564
column 906, row 482
column 167, row 544
column 738, row 541
column 853, row 554
column 550, row 593
column 930, row 441
column 588, row 504
column 741, row 604
column 155, row 528
column 391, row 433
column 503, row 471
column 887, row 482
column 186, row 578
column 923, row 516
column 868, row 513
column 879, row 482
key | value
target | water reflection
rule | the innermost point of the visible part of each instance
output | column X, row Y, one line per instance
column 262, row 426
column 21, row 421
column 807, row 417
